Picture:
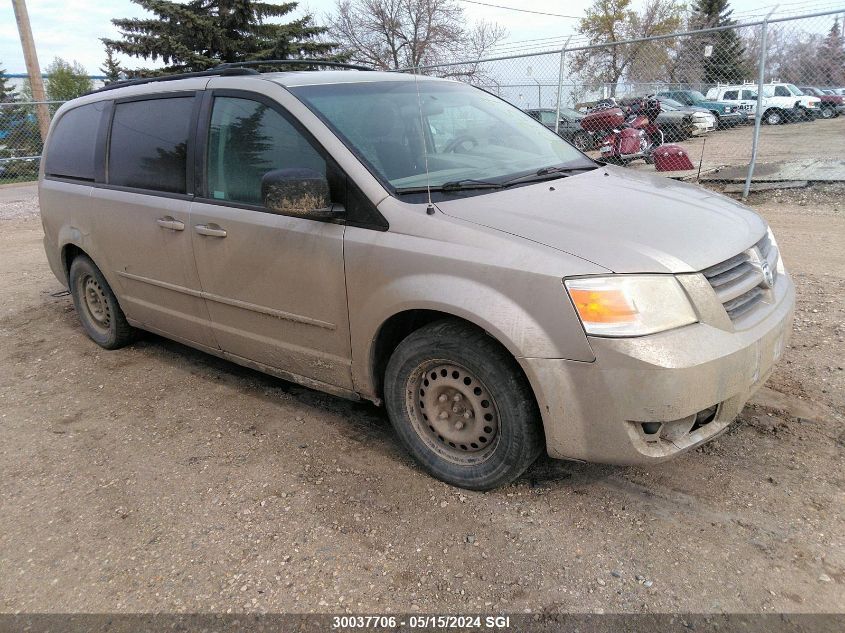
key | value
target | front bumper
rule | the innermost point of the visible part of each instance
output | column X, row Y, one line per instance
column 607, row 410
column 702, row 127
column 731, row 118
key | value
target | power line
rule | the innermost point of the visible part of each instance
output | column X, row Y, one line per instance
column 498, row 6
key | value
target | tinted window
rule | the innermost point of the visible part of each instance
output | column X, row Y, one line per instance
column 781, row 91
column 749, row 94
column 731, row 95
column 149, row 144
column 547, row 117
column 246, row 140
column 73, row 144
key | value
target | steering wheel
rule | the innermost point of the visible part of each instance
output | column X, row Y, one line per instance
column 458, row 141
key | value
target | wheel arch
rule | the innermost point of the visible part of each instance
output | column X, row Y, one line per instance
column 402, row 324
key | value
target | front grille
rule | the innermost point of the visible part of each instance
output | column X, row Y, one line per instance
column 739, row 282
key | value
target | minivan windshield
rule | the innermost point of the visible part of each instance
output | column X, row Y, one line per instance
column 459, row 133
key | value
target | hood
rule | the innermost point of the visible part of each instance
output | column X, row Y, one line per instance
column 620, row 219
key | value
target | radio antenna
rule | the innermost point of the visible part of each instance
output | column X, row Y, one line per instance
column 430, row 208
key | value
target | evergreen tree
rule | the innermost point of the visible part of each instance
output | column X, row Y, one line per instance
column 111, row 68
column 200, row 34
column 830, row 66
column 7, row 93
column 726, row 63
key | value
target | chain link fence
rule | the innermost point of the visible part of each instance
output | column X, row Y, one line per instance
column 21, row 138
column 748, row 104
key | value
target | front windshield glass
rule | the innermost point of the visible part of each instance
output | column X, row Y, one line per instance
column 696, row 95
column 459, row 131
column 794, row 90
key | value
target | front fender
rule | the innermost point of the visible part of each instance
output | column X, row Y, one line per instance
column 519, row 327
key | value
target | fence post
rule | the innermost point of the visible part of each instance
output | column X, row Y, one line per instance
column 560, row 83
column 758, row 117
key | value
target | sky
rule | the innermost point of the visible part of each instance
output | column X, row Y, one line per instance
column 72, row 29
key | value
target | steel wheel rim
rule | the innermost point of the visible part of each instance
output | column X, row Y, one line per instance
column 453, row 412
column 95, row 302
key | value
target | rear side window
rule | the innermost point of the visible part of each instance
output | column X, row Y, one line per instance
column 731, row 95
column 73, row 144
column 149, row 144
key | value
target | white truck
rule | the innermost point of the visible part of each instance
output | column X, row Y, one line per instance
column 782, row 102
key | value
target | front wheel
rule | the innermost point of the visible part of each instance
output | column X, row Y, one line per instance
column 97, row 307
column 462, row 407
column 828, row 113
column 582, row 141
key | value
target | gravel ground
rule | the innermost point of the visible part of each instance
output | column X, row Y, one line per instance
column 157, row 478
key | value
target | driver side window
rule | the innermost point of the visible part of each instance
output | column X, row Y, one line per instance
column 781, row 91
column 246, row 140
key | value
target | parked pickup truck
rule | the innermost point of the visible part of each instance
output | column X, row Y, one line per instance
column 831, row 105
column 781, row 102
column 727, row 114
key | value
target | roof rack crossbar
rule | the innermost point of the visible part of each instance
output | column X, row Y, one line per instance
column 291, row 62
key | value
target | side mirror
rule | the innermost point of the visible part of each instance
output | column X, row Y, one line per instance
column 298, row 191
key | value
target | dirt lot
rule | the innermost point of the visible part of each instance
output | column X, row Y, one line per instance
column 159, row 478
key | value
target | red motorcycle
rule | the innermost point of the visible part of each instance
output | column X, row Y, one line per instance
column 625, row 132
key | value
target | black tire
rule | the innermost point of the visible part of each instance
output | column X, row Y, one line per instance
column 582, row 141
column 828, row 113
column 500, row 433
column 97, row 307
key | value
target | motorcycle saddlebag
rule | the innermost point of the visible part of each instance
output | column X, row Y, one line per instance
column 671, row 158
column 606, row 119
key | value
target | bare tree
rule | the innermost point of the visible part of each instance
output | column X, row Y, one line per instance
column 611, row 21
column 395, row 34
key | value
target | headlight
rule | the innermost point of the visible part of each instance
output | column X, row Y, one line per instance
column 630, row 305
column 780, row 267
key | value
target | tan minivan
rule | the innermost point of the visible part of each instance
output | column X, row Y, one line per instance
column 421, row 243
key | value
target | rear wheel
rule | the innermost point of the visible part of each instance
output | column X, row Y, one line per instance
column 97, row 307
column 462, row 407
column 828, row 113
column 773, row 117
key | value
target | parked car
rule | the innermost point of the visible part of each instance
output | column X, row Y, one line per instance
column 421, row 243
column 782, row 102
column 726, row 114
column 569, row 126
column 678, row 121
column 830, row 105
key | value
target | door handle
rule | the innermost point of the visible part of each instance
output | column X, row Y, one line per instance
column 168, row 222
column 211, row 230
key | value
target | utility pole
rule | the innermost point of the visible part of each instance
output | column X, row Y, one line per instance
column 32, row 67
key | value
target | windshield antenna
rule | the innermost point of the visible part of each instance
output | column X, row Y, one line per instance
column 430, row 209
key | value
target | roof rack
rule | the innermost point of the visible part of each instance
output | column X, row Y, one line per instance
column 229, row 69
column 292, row 62
column 202, row 73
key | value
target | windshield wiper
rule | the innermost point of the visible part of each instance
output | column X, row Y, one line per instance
column 545, row 173
column 469, row 183
column 464, row 184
